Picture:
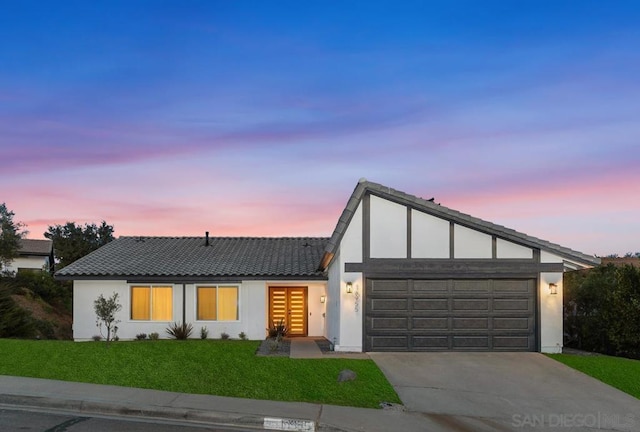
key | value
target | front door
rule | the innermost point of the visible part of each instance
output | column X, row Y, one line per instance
column 289, row 304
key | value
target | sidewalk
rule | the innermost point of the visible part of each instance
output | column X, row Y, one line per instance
column 307, row 347
column 213, row 410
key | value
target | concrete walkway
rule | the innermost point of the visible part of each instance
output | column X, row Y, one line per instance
column 307, row 348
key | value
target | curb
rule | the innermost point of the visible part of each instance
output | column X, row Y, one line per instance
column 213, row 418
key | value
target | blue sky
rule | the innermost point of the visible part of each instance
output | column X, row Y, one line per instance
column 258, row 118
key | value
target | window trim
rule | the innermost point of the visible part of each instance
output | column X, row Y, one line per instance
column 216, row 286
column 151, row 286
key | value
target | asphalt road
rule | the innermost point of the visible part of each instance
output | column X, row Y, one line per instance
column 30, row 420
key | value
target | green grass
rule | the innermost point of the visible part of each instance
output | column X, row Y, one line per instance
column 224, row 368
column 618, row 372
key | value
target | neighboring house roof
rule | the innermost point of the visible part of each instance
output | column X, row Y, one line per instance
column 35, row 247
column 619, row 262
column 184, row 258
column 428, row 206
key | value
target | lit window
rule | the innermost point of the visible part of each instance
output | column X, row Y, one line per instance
column 152, row 303
column 218, row 303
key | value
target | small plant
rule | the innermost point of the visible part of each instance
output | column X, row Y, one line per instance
column 180, row 331
column 154, row 336
column 224, row 336
column 96, row 338
column 242, row 336
column 278, row 331
column 141, row 336
column 204, row 332
column 106, row 310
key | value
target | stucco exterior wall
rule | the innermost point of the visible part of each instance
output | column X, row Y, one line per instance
column 508, row 250
column 351, row 319
column 333, row 300
column 32, row 262
column 551, row 324
column 470, row 243
column 388, row 229
column 252, row 300
column 429, row 236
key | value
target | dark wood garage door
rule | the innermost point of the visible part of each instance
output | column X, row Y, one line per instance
column 441, row 315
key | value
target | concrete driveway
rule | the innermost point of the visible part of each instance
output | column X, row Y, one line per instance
column 506, row 391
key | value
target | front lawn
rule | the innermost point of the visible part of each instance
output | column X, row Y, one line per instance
column 618, row 372
column 216, row 367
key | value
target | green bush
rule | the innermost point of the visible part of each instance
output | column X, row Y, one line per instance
column 180, row 331
column 14, row 321
column 602, row 310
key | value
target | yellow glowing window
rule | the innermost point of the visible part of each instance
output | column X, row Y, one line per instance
column 218, row 303
column 152, row 303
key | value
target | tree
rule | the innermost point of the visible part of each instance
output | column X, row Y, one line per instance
column 10, row 236
column 71, row 241
column 106, row 310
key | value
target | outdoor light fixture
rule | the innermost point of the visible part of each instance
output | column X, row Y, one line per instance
column 323, row 298
column 553, row 289
column 349, row 287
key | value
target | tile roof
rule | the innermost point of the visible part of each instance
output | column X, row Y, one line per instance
column 443, row 212
column 35, row 247
column 188, row 257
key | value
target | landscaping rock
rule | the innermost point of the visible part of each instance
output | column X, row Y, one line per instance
column 347, row 375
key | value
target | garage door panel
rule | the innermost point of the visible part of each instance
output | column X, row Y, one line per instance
column 512, row 342
column 475, row 342
column 434, row 304
column 387, row 304
column 388, row 286
column 389, row 343
column 442, row 315
column 471, row 305
column 429, row 286
column 511, row 323
column 389, row 323
column 430, row 323
column 514, row 286
column 430, row 342
column 515, row 304
column 471, row 323
column 471, row 286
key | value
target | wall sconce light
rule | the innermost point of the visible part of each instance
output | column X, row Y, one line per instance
column 553, row 289
column 349, row 287
column 323, row 298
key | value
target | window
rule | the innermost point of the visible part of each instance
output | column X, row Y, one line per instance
column 152, row 303
column 218, row 303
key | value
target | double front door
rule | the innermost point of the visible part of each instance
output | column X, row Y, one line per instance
column 289, row 304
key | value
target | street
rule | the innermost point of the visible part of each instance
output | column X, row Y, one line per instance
column 13, row 419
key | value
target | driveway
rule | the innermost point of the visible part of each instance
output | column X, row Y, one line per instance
column 506, row 391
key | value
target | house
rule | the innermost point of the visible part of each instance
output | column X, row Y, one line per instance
column 33, row 255
column 399, row 273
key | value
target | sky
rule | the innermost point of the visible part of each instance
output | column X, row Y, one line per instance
column 254, row 118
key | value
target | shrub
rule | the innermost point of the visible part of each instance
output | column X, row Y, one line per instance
column 154, row 336
column 242, row 336
column 204, row 332
column 96, row 338
column 180, row 331
column 224, row 336
column 601, row 310
column 278, row 330
column 14, row 321
column 141, row 336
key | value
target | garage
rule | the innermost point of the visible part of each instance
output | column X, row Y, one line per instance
column 450, row 314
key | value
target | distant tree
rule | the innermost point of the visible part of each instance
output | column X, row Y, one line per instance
column 632, row 255
column 71, row 241
column 106, row 309
column 10, row 235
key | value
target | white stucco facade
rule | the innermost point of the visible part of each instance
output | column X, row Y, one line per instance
column 253, row 309
column 29, row 262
